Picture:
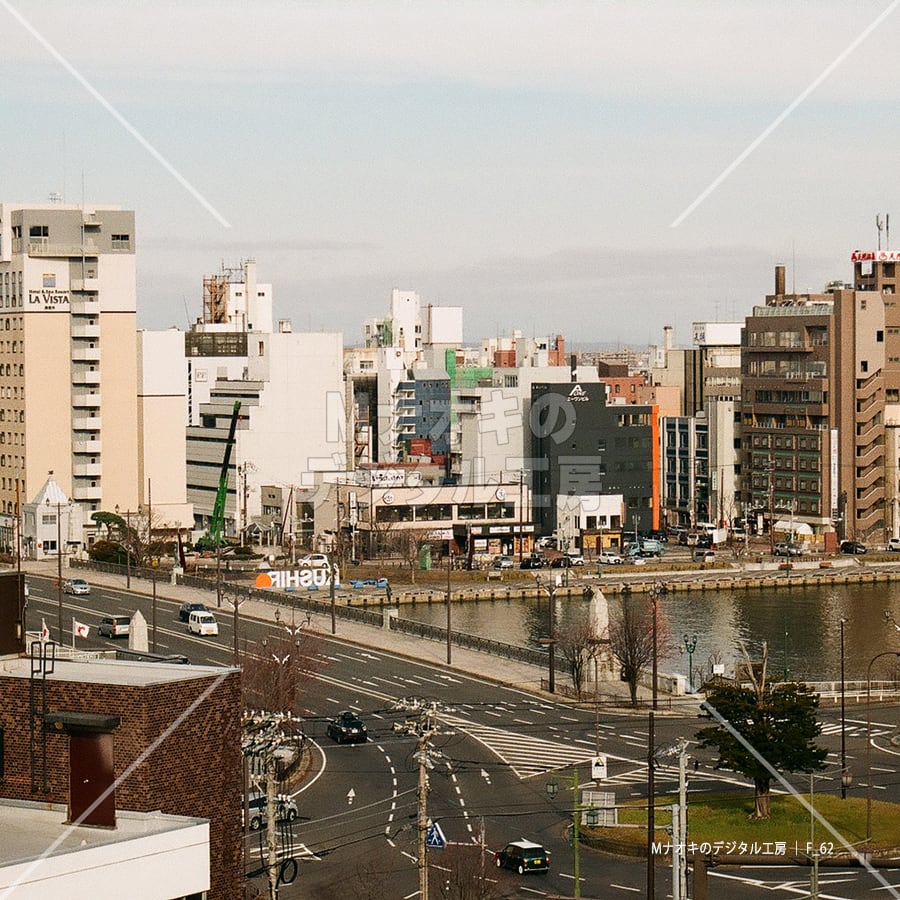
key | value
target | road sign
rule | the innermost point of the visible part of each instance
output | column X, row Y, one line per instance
column 435, row 839
column 598, row 768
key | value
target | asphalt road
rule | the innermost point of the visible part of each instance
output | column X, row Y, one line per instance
column 495, row 749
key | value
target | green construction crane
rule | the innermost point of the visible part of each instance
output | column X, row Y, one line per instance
column 217, row 523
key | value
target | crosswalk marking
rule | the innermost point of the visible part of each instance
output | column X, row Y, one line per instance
column 527, row 756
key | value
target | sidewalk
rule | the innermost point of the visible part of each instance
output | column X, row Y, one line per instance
column 472, row 662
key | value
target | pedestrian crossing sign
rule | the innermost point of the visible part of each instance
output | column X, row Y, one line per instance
column 435, row 839
column 598, row 768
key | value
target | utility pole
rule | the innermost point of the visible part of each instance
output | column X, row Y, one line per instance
column 422, row 823
column 426, row 732
column 770, row 468
column 271, row 830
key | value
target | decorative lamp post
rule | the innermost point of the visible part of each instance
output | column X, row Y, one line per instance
column 690, row 645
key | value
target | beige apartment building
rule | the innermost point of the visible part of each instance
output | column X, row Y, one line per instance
column 820, row 372
column 68, row 368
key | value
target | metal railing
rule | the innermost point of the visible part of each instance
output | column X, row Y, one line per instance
column 344, row 608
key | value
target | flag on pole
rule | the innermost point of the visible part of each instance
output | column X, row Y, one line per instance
column 79, row 629
column 45, row 631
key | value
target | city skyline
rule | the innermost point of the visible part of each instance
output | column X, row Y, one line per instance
column 539, row 166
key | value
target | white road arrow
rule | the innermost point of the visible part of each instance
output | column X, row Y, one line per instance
column 485, row 776
column 350, row 795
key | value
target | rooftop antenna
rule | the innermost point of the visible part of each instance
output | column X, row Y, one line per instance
column 879, row 224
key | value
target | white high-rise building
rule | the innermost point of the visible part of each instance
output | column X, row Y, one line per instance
column 67, row 317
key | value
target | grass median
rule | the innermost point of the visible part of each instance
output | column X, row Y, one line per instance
column 725, row 821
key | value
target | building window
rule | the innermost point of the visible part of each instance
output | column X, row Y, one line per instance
column 121, row 242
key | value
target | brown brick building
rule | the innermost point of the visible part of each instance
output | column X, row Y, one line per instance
column 176, row 746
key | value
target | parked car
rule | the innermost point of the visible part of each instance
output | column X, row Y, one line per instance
column 702, row 554
column 854, row 547
column 534, row 561
column 185, row 610
column 114, row 626
column 547, row 542
column 257, row 805
column 523, row 856
column 561, row 562
column 314, row 561
column 576, row 558
column 787, row 549
column 609, row 557
column 76, row 586
column 504, row 562
column 203, row 623
column 346, row 727
column 894, row 545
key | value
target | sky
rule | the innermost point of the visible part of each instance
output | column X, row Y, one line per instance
column 595, row 169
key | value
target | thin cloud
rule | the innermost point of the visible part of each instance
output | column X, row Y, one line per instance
column 125, row 123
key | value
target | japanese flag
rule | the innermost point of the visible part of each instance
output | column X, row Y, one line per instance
column 45, row 631
column 79, row 629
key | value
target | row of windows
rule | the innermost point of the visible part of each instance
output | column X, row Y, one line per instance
column 13, row 323
column 787, row 441
column 786, row 368
column 15, row 439
column 791, row 397
column 12, row 415
column 14, row 462
column 443, row 512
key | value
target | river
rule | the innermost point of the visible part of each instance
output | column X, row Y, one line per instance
column 800, row 625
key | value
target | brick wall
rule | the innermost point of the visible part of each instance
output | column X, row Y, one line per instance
column 193, row 770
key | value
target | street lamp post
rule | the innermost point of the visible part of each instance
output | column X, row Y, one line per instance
column 59, row 594
column 550, row 590
column 844, row 772
column 651, row 752
column 552, row 791
column 690, row 645
column 869, row 739
column 449, row 641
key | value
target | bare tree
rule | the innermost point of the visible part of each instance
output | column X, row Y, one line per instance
column 467, row 872
column 276, row 668
column 579, row 643
column 407, row 543
column 631, row 639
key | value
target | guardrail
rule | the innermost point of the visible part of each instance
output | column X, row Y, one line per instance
column 309, row 602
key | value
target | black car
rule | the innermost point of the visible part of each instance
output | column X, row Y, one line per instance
column 561, row 562
column 854, row 547
column 524, row 857
column 347, row 727
column 532, row 562
column 185, row 610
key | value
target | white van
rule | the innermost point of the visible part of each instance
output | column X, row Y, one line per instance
column 203, row 623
